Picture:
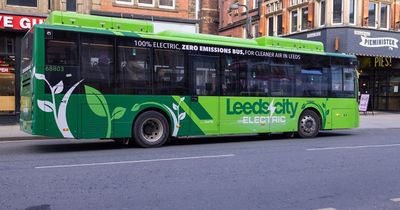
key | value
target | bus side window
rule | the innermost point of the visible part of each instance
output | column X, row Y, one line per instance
column 170, row 75
column 282, row 80
column 61, row 59
column 133, row 72
column 98, row 62
column 230, row 76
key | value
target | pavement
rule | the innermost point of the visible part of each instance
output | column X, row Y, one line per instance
column 370, row 120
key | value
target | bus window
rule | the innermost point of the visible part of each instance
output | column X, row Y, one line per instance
column 133, row 73
column 170, row 75
column 205, row 70
column 230, row 76
column 348, row 79
column 282, row 80
column 254, row 77
column 312, row 82
column 61, row 58
column 98, row 62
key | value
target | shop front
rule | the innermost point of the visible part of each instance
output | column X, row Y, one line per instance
column 12, row 29
column 378, row 54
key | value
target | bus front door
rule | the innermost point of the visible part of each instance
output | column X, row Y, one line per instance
column 204, row 105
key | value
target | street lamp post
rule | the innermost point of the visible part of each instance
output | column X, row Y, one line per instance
column 236, row 6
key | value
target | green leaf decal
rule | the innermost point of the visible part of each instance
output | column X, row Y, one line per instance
column 327, row 112
column 94, row 97
column 118, row 113
column 135, row 107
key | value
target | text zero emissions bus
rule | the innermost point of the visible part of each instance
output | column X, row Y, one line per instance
column 87, row 77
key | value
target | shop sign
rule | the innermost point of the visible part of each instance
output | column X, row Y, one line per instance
column 379, row 42
column 4, row 70
column 362, row 107
column 18, row 22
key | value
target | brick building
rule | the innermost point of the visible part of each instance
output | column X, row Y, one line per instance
column 365, row 28
column 233, row 22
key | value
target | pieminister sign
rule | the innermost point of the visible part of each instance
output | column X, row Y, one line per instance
column 379, row 42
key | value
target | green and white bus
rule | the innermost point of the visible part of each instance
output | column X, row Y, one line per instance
column 88, row 77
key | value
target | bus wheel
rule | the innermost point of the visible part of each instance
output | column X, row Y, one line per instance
column 309, row 124
column 151, row 129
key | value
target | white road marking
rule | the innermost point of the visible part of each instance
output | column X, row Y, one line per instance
column 135, row 161
column 395, row 199
column 21, row 141
column 326, row 209
column 354, row 147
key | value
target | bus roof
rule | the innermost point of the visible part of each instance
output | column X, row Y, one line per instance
column 136, row 28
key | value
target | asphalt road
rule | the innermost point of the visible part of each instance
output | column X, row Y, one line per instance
column 352, row 169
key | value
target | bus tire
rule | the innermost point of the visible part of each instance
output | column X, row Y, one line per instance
column 151, row 129
column 309, row 124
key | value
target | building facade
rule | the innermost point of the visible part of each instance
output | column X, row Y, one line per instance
column 232, row 22
column 369, row 29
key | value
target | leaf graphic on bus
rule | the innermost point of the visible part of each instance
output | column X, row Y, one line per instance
column 175, row 106
column 327, row 112
column 182, row 116
column 45, row 106
column 94, row 97
column 135, row 107
column 39, row 76
column 182, row 99
column 117, row 113
column 59, row 87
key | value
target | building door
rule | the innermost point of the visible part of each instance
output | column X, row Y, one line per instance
column 380, row 90
column 204, row 105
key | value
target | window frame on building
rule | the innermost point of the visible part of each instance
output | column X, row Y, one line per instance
column 302, row 18
column 354, row 12
column 387, row 15
column 333, row 13
column 145, row 4
column 23, row 5
column 321, row 14
column 270, row 20
column 279, row 26
column 291, row 20
column 122, row 2
column 376, row 4
column 167, row 7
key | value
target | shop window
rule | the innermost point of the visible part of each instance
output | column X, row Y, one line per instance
column 170, row 76
column 133, row 72
column 98, row 62
column 7, row 84
column 337, row 11
column 27, row 3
